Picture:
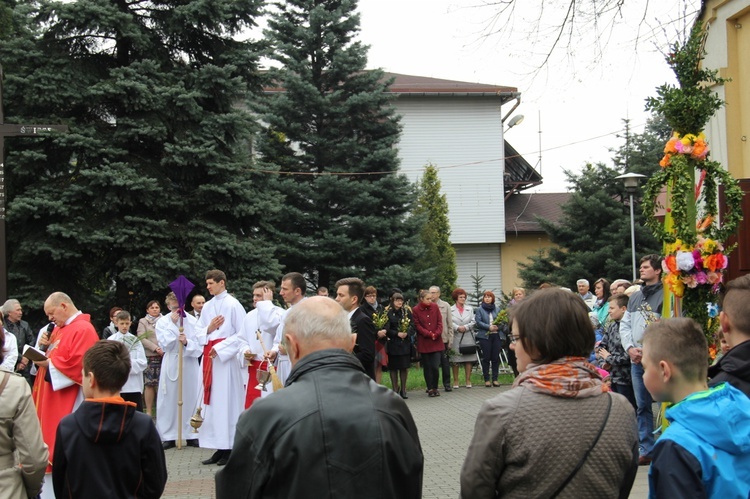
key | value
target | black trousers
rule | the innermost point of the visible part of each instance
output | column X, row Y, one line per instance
column 446, row 366
column 430, row 364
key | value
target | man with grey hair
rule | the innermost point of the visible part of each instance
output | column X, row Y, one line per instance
column 585, row 294
column 447, row 317
column 22, row 333
column 355, row 437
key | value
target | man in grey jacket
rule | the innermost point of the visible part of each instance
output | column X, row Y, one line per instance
column 447, row 315
column 644, row 307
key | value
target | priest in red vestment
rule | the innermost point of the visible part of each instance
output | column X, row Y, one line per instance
column 57, row 389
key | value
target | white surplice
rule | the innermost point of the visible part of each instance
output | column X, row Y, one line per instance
column 227, row 389
column 271, row 318
column 167, row 414
column 252, row 324
column 138, row 361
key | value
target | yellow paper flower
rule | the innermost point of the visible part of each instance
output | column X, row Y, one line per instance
column 709, row 246
column 688, row 139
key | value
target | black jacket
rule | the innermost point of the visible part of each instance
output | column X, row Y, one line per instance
column 330, row 433
column 396, row 345
column 107, row 449
column 364, row 350
column 734, row 368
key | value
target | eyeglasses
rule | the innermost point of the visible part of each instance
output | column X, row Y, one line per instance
column 514, row 338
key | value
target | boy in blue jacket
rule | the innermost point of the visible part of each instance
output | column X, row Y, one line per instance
column 705, row 451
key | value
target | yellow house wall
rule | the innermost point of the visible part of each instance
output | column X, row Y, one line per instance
column 515, row 249
column 728, row 50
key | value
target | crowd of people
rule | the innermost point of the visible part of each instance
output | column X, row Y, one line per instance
column 587, row 369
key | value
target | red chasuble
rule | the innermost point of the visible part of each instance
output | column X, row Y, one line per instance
column 67, row 346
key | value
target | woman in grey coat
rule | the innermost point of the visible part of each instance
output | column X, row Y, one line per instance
column 559, row 431
column 463, row 335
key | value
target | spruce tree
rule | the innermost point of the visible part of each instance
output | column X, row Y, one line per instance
column 593, row 238
column 439, row 260
column 154, row 178
column 332, row 131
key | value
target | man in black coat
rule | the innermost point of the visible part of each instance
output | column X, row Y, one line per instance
column 734, row 366
column 349, row 294
column 331, row 432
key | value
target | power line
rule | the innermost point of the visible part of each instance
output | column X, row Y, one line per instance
column 446, row 167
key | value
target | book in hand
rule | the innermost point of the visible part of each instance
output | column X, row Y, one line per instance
column 33, row 354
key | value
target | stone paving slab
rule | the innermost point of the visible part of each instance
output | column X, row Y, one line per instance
column 445, row 426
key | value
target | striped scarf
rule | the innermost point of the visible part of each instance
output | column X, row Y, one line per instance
column 570, row 377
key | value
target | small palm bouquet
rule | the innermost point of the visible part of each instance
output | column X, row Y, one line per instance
column 501, row 319
column 404, row 324
column 380, row 319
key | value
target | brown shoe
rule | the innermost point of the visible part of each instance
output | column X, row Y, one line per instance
column 644, row 461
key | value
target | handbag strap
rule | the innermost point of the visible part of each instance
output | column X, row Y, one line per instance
column 593, row 444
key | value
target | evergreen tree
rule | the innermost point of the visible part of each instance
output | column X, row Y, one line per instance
column 593, row 237
column 439, row 260
column 153, row 179
column 333, row 129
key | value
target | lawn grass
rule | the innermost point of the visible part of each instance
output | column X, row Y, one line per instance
column 415, row 380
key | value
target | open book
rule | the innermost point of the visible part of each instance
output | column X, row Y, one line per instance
column 33, row 354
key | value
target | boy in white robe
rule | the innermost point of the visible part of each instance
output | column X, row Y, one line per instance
column 170, row 338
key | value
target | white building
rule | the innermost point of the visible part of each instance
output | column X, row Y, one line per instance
column 458, row 127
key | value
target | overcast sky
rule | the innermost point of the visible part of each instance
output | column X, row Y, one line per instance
column 578, row 101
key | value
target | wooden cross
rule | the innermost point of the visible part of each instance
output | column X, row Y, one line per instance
column 13, row 130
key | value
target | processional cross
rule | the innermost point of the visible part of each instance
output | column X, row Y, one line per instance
column 13, row 130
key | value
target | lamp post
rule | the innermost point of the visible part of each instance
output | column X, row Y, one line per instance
column 631, row 182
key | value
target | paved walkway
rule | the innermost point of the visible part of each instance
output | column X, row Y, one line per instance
column 445, row 427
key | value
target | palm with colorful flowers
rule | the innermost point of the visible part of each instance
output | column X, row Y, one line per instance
column 693, row 235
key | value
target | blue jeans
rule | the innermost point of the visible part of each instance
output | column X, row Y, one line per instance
column 644, row 414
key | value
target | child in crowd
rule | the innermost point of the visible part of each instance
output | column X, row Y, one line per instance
column 132, row 391
column 723, row 347
column 106, row 448
column 704, row 450
column 610, row 354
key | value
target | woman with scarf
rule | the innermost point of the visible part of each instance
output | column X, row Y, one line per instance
column 490, row 337
column 147, row 334
column 559, row 416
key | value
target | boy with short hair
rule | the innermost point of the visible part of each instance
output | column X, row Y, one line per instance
column 132, row 390
column 734, row 366
column 106, row 448
column 610, row 353
column 704, row 451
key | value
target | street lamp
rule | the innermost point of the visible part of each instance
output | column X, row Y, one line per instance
column 631, row 182
column 515, row 120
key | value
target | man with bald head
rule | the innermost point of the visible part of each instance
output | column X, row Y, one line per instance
column 353, row 437
column 57, row 389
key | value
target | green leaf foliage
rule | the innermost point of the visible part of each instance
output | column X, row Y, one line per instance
column 688, row 108
column 331, row 130
column 439, row 260
column 593, row 237
column 154, row 179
